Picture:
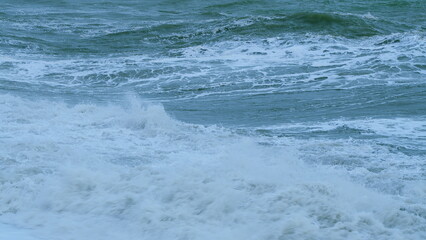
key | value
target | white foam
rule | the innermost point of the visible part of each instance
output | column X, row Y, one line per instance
column 8, row 232
column 113, row 172
column 316, row 62
column 410, row 128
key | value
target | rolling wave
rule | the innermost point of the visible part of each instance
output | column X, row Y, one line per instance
column 160, row 178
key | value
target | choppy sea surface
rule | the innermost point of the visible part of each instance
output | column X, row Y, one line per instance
column 220, row 119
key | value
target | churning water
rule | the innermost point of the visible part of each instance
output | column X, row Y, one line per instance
column 221, row 119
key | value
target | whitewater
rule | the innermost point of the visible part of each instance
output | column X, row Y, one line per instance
column 163, row 179
column 277, row 120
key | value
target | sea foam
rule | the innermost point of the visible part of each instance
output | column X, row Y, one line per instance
column 93, row 171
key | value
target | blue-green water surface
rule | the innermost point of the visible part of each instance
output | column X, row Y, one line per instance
column 340, row 83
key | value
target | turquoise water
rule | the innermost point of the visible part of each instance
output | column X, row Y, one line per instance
column 213, row 119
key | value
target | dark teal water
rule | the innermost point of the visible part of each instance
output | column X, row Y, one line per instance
column 340, row 83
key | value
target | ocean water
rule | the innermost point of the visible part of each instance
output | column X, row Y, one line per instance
column 221, row 119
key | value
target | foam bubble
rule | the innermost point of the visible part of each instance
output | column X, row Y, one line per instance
column 280, row 63
column 91, row 171
column 10, row 232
